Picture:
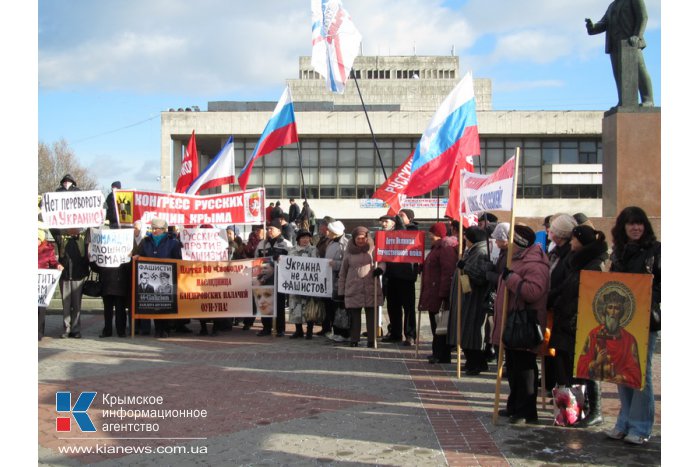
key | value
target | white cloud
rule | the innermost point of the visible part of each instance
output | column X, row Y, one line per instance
column 510, row 86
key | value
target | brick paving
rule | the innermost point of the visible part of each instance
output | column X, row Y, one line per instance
column 277, row 401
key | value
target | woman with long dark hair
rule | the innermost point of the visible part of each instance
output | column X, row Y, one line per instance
column 636, row 250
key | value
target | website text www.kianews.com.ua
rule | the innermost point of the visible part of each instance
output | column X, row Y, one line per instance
column 127, row 450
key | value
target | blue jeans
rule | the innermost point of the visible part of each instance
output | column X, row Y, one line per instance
column 636, row 415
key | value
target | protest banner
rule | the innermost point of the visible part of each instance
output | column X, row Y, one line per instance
column 204, row 244
column 299, row 275
column 400, row 246
column 111, row 247
column 244, row 207
column 174, row 289
column 479, row 193
column 391, row 191
column 48, row 279
column 612, row 331
column 72, row 209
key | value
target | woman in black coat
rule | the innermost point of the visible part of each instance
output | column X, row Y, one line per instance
column 475, row 263
column 589, row 251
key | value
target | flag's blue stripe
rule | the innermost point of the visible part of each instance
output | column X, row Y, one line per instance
column 451, row 130
column 277, row 121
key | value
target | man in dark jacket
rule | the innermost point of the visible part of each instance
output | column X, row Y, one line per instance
column 293, row 210
column 73, row 255
column 400, row 286
column 111, row 206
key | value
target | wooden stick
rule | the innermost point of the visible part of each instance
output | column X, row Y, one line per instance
column 543, row 388
column 418, row 332
column 504, row 315
column 376, row 318
column 133, row 295
column 459, row 304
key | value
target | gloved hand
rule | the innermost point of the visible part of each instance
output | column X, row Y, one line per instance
column 460, row 264
column 505, row 273
column 377, row 272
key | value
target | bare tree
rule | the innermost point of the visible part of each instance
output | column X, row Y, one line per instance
column 57, row 160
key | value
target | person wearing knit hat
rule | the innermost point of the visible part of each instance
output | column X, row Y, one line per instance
column 588, row 253
column 528, row 278
column 336, row 227
column 356, row 284
column 583, row 219
column 436, row 281
column 439, row 230
column 472, row 264
column 300, row 305
column 561, row 226
column 406, row 217
column 334, row 250
column 523, row 236
column 501, row 232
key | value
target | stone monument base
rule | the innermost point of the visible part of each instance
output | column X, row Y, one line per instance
column 632, row 160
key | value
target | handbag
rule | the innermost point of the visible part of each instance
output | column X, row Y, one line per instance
column 341, row 320
column 314, row 311
column 92, row 286
column 466, row 284
column 522, row 329
column 443, row 318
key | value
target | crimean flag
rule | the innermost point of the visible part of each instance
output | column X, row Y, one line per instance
column 220, row 171
column 451, row 132
column 335, row 42
column 280, row 130
column 190, row 166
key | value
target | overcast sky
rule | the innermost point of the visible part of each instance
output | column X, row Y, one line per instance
column 107, row 68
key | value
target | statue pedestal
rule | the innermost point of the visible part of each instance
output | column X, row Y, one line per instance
column 632, row 160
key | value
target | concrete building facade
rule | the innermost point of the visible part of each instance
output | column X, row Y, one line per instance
column 561, row 163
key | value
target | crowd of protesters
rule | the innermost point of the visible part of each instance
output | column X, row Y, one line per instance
column 542, row 273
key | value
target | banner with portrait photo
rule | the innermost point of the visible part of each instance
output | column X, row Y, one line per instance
column 48, row 280
column 399, row 246
column 72, row 209
column 301, row 275
column 110, row 248
column 175, row 289
column 612, row 330
column 243, row 207
column 200, row 244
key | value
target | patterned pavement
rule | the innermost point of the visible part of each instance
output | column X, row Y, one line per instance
column 277, row 401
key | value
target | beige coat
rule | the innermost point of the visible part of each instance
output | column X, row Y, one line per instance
column 356, row 281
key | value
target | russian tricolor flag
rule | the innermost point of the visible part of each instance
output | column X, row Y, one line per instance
column 280, row 131
column 220, row 171
column 452, row 131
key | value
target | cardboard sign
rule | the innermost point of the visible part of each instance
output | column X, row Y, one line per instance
column 72, row 209
column 400, row 246
column 48, row 280
column 300, row 275
column 111, row 247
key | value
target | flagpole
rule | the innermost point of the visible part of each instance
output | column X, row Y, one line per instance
column 374, row 140
column 504, row 314
column 459, row 302
column 301, row 171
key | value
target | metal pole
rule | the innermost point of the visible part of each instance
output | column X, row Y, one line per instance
column 374, row 140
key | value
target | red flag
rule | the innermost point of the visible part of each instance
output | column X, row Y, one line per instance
column 391, row 191
column 190, row 166
column 452, row 210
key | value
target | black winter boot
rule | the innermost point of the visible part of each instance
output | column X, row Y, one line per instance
column 299, row 332
column 595, row 414
column 309, row 329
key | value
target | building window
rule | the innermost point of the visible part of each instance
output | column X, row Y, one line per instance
column 327, row 192
column 347, row 192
